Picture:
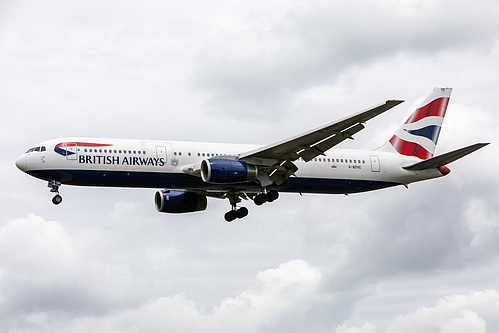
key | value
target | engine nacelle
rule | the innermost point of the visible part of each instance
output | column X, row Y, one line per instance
column 170, row 201
column 222, row 171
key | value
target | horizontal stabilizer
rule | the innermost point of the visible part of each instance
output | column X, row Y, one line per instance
column 441, row 160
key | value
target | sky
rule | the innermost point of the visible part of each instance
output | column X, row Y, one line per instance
column 395, row 260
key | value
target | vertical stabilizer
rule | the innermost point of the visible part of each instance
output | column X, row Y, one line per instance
column 418, row 136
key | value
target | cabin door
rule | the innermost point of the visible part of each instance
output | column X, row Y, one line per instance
column 375, row 165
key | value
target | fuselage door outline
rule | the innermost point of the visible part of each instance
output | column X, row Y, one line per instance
column 375, row 165
column 161, row 153
column 71, row 151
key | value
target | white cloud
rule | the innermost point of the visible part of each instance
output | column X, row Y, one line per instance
column 49, row 273
column 476, row 311
column 484, row 223
column 44, row 267
column 366, row 328
column 285, row 290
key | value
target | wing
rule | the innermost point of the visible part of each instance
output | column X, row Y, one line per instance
column 279, row 156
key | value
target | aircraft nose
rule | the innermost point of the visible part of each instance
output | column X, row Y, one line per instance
column 22, row 163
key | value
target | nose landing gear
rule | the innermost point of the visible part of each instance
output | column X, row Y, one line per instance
column 54, row 188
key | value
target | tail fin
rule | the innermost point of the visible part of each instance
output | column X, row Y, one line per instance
column 418, row 136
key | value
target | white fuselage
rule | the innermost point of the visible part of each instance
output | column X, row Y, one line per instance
column 165, row 164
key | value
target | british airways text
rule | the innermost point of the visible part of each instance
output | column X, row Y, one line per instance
column 116, row 160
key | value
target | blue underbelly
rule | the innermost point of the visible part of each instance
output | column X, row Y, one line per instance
column 183, row 181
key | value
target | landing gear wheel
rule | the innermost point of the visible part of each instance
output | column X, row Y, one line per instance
column 261, row 199
column 272, row 195
column 57, row 199
column 242, row 212
column 236, row 214
column 230, row 216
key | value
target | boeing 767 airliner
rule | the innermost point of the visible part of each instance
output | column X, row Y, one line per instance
column 189, row 172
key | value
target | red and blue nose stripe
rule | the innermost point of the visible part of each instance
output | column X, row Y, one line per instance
column 60, row 148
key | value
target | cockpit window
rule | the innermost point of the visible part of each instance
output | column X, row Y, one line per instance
column 41, row 148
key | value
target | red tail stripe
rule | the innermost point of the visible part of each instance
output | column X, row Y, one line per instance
column 409, row 148
column 436, row 107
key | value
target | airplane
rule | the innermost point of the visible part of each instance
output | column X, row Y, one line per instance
column 189, row 172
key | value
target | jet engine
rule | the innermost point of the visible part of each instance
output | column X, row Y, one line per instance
column 169, row 201
column 222, row 171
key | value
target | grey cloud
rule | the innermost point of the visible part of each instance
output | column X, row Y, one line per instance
column 254, row 68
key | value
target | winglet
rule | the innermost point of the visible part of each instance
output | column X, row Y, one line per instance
column 441, row 160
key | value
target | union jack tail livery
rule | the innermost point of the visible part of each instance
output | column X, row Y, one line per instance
column 418, row 136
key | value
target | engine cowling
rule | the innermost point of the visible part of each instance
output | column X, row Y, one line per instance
column 170, row 201
column 222, row 171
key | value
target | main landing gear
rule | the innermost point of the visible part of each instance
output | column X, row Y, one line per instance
column 54, row 188
column 262, row 198
column 235, row 213
column 239, row 213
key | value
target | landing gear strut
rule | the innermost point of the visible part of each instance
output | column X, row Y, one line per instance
column 235, row 213
column 54, row 188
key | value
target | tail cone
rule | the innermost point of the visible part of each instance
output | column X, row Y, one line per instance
column 444, row 170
